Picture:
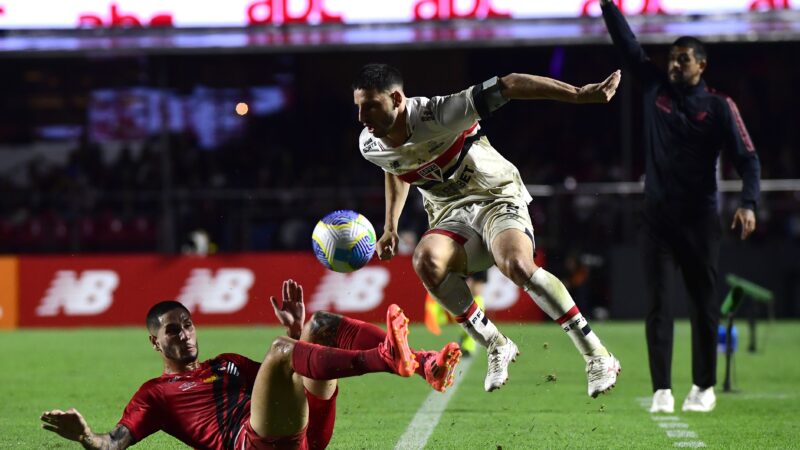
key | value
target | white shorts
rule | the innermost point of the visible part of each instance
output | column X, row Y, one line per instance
column 475, row 226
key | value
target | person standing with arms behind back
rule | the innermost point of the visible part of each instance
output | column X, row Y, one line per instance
column 686, row 124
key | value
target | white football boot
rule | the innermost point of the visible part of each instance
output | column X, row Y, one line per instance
column 500, row 356
column 601, row 371
column 700, row 400
column 663, row 401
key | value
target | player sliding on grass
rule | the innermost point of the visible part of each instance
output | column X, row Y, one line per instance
column 476, row 202
column 230, row 401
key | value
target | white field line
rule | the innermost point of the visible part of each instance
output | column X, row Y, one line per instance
column 677, row 431
column 428, row 415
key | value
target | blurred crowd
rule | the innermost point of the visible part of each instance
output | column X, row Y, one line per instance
column 266, row 188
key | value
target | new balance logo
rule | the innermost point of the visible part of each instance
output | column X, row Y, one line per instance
column 87, row 294
column 355, row 292
column 224, row 293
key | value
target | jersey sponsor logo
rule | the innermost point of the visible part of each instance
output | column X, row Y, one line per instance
column 359, row 291
column 188, row 385
column 431, row 172
column 370, row 146
column 224, row 293
column 701, row 116
column 87, row 294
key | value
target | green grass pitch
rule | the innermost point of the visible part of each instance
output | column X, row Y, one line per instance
column 97, row 370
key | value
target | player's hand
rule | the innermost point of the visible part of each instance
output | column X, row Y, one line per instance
column 68, row 424
column 600, row 92
column 291, row 312
column 747, row 219
column 387, row 245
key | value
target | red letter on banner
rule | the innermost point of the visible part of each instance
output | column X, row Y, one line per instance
column 266, row 8
column 123, row 20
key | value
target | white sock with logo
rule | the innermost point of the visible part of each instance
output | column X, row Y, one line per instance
column 550, row 294
column 454, row 295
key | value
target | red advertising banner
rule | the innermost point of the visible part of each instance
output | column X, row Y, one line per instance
column 59, row 291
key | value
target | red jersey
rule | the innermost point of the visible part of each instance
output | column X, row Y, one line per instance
column 204, row 408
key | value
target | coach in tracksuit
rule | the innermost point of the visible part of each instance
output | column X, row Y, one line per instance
column 686, row 124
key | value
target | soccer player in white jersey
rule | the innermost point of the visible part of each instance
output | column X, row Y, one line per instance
column 476, row 202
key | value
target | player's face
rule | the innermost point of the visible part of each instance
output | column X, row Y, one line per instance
column 377, row 110
column 683, row 67
column 176, row 337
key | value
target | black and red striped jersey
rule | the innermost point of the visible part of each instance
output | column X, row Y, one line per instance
column 203, row 408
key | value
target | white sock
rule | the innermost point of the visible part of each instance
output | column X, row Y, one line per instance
column 454, row 295
column 550, row 294
column 477, row 325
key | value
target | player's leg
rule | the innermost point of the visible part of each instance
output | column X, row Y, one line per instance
column 513, row 253
column 698, row 261
column 344, row 332
column 440, row 260
column 659, row 277
column 278, row 406
column 321, row 329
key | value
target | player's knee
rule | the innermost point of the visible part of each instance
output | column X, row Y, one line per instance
column 517, row 268
column 430, row 265
column 321, row 328
column 280, row 352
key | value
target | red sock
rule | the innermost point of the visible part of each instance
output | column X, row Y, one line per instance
column 358, row 335
column 329, row 363
column 354, row 334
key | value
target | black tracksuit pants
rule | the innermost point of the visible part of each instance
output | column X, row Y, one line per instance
column 671, row 239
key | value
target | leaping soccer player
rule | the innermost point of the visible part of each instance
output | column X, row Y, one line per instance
column 476, row 202
column 286, row 401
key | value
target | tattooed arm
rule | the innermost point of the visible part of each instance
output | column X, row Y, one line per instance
column 71, row 425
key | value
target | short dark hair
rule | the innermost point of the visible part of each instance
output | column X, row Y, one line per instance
column 693, row 43
column 158, row 310
column 378, row 76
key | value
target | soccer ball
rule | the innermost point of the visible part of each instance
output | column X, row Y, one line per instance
column 343, row 241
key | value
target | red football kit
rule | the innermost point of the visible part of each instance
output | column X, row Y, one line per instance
column 209, row 408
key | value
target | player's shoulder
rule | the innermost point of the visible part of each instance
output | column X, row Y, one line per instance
column 152, row 386
column 720, row 99
column 234, row 358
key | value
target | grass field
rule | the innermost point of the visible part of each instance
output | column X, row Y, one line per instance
column 97, row 370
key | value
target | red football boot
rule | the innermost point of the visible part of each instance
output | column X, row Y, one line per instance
column 440, row 369
column 394, row 349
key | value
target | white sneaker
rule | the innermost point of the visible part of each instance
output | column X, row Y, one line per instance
column 700, row 400
column 663, row 402
column 602, row 374
column 500, row 356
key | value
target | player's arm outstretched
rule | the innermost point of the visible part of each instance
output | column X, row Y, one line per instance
column 518, row 86
column 396, row 194
column 633, row 56
column 71, row 425
column 291, row 312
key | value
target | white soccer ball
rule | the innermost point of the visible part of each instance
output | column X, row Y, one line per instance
column 343, row 241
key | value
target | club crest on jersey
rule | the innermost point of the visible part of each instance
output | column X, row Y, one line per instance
column 431, row 172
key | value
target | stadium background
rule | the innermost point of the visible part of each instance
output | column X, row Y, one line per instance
column 123, row 139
